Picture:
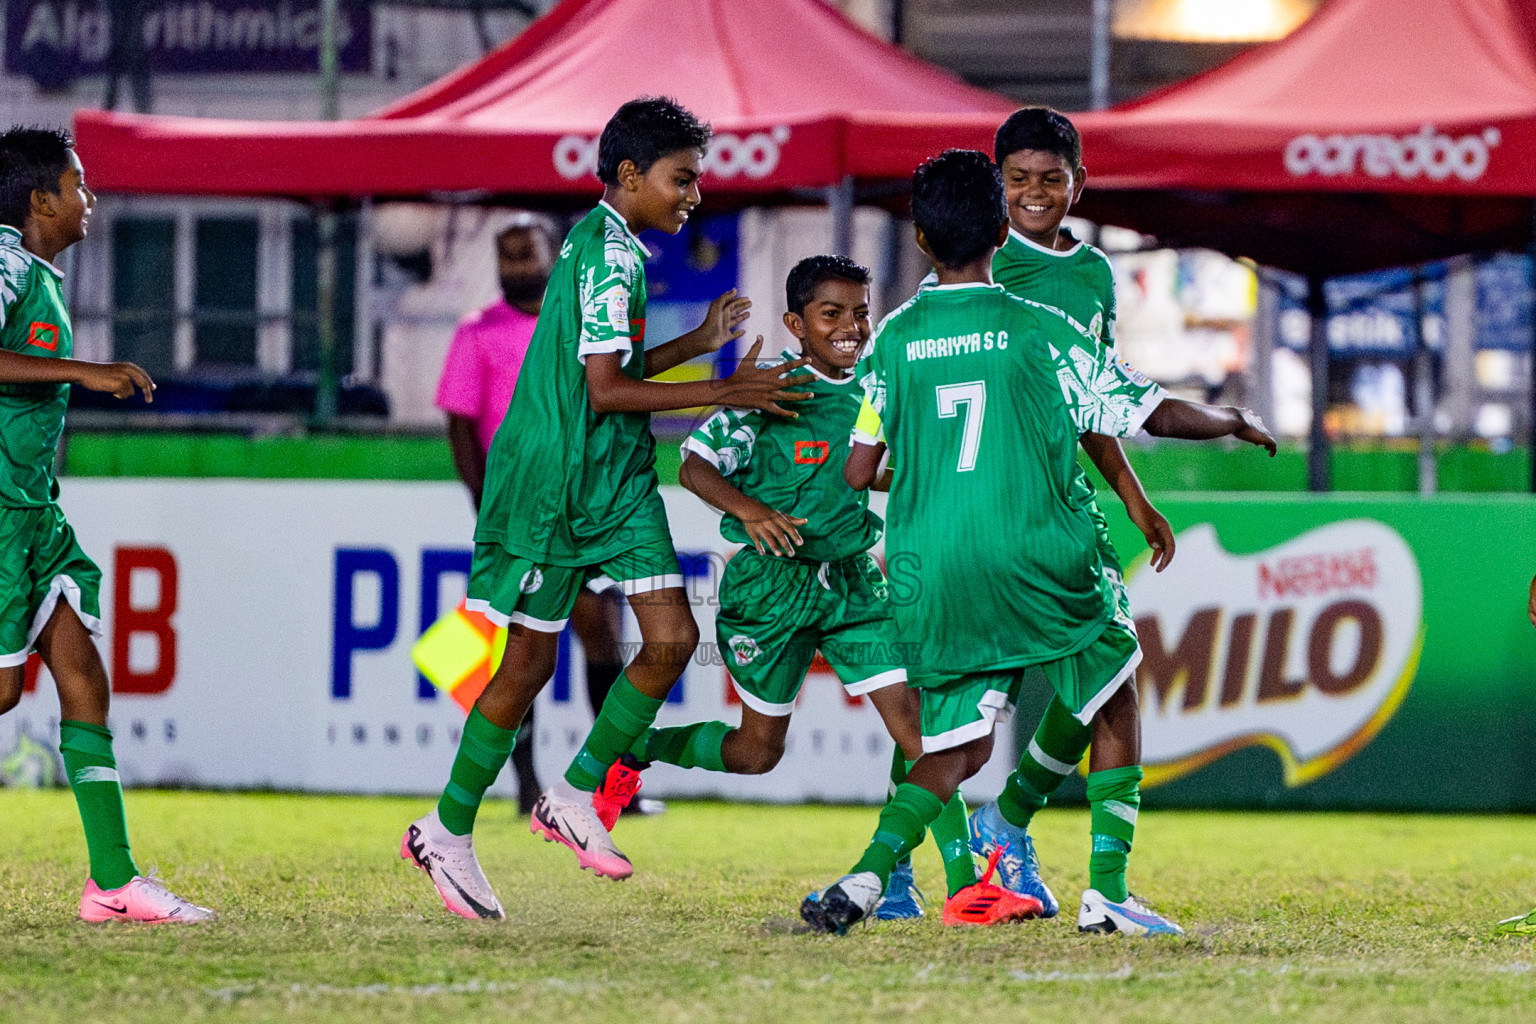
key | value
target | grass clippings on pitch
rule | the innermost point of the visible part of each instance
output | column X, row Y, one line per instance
column 1348, row 918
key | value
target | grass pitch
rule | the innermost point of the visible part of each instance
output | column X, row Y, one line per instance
column 1357, row 918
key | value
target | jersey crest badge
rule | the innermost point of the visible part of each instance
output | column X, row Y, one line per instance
column 743, row 648
column 533, row 579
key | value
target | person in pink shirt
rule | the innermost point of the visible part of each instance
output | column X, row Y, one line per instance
column 478, row 379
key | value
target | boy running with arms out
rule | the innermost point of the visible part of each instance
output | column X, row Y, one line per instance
column 571, row 493
column 45, row 208
column 1039, row 154
column 805, row 580
column 982, row 398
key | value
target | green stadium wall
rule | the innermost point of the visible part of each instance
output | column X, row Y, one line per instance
column 1163, row 466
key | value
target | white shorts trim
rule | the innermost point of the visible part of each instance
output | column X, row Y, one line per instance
column 995, row 710
column 1092, row 708
column 538, row 625
column 646, row 584
column 62, row 585
column 1048, row 762
column 761, row 706
column 483, row 607
column 475, row 604
column 601, row 584
column 890, row 677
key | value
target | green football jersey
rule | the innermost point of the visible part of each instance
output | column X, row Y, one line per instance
column 564, row 484
column 1078, row 281
column 795, row 466
column 33, row 321
column 981, row 398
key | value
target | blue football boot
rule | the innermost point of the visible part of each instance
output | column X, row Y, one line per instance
column 1018, row 869
column 903, row 899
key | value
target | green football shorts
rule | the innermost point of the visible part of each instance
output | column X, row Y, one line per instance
column 962, row 708
column 510, row 590
column 40, row 561
column 1111, row 560
column 776, row 613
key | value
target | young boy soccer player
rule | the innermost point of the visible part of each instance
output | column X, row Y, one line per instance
column 44, row 209
column 982, row 398
column 571, row 492
column 805, row 580
column 1039, row 154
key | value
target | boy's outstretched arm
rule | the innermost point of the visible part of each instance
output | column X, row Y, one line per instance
column 118, row 379
column 721, row 324
column 865, row 469
column 1110, row 459
column 1192, row 421
column 610, row 389
column 767, row 527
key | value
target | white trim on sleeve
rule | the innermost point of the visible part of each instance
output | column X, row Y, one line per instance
column 702, row 450
column 1145, row 410
column 623, row 346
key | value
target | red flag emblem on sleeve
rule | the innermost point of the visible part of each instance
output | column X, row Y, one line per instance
column 43, row 335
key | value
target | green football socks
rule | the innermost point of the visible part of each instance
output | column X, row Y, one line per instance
column 687, row 746
column 951, row 831
column 627, row 714
column 1053, row 754
column 902, row 824
column 1114, row 797
column 92, row 771
column 483, row 751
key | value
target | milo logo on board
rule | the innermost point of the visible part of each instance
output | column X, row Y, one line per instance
column 1307, row 648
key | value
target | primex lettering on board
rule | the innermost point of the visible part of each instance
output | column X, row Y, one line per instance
column 1306, row 648
column 259, row 635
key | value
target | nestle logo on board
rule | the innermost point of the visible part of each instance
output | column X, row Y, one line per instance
column 1306, row 648
column 1426, row 152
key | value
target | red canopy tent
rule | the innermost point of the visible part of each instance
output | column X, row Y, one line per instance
column 1382, row 132
column 799, row 97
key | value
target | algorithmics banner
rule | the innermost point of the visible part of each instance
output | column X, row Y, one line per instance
column 259, row 634
column 57, row 41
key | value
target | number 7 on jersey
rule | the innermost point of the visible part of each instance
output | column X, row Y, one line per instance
column 973, row 395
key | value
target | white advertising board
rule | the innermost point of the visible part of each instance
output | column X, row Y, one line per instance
column 265, row 632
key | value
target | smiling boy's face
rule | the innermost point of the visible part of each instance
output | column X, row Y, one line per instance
column 834, row 326
column 1041, row 187
column 71, row 207
column 666, row 194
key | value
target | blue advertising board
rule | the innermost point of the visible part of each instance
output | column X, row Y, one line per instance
column 1372, row 315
